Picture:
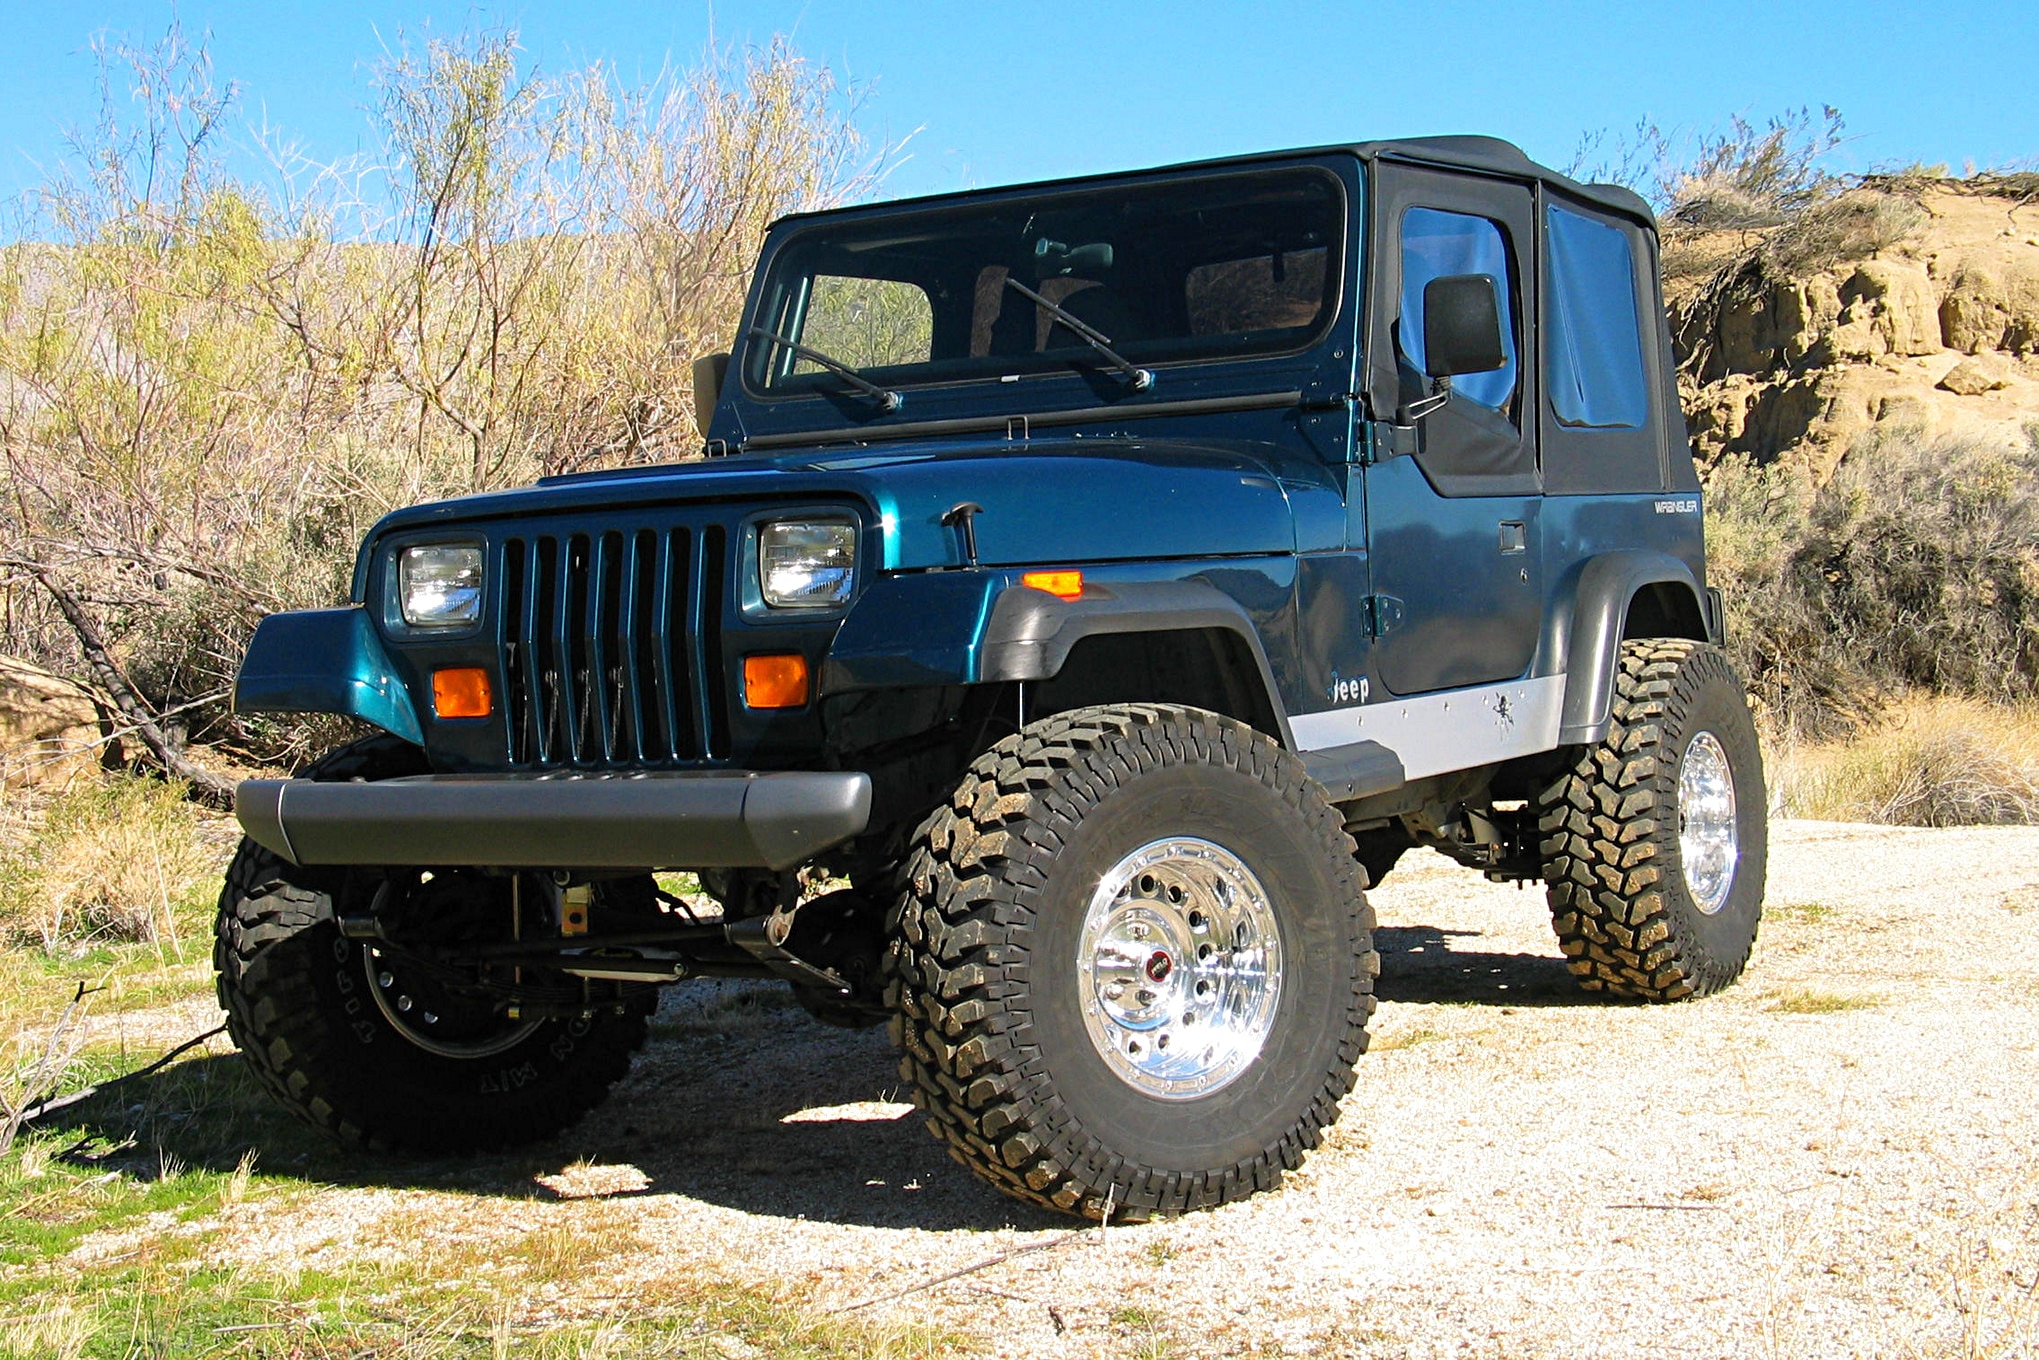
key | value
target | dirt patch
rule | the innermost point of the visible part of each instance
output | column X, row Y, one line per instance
column 1833, row 1158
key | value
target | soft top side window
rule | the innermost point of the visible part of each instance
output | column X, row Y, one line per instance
column 1596, row 376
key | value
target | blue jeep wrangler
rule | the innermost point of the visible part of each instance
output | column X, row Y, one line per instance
column 1089, row 589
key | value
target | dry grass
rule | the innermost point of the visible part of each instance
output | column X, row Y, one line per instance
column 1810, row 1001
column 1924, row 762
column 1407, row 1038
column 114, row 860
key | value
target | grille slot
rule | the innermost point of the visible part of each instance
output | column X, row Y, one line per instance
column 611, row 646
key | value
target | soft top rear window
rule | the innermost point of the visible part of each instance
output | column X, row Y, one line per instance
column 1212, row 267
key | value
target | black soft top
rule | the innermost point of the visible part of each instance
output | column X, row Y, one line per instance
column 1485, row 155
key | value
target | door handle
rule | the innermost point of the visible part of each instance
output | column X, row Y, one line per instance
column 1514, row 537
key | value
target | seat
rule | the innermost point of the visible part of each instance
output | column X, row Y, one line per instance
column 1100, row 307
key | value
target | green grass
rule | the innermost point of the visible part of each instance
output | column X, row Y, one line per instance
column 150, row 1177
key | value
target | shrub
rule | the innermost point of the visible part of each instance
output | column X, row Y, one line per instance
column 113, row 860
column 1915, row 567
column 211, row 386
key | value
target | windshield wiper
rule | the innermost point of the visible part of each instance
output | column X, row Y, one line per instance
column 888, row 401
column 1139, row 379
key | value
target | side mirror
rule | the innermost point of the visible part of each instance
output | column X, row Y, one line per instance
column 709, row 371
column 1462, row 326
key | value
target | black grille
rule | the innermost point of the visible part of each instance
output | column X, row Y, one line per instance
column 612, row 646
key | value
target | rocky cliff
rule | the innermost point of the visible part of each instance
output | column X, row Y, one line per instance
column 1907, row 301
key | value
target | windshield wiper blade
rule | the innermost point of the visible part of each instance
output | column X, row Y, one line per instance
column 888, row 401
column 1139, row 379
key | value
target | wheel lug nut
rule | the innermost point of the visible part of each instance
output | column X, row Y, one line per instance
column 404, row 1003
column 385, row 979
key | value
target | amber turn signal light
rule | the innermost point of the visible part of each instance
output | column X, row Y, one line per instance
column 775, row 681
column 1063, row 585
column 462, row 692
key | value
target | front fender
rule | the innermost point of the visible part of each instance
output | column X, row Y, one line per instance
column 325, row 661
column 984, row 627
column 1586, row 631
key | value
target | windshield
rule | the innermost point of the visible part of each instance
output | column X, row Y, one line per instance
column 1214, row 267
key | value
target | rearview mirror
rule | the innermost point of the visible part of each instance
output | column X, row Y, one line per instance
column 709, row 371
column 1462, row 326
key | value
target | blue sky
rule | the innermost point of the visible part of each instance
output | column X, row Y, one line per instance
column 997, row 94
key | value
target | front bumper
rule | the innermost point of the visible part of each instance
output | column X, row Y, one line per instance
column 692, row 819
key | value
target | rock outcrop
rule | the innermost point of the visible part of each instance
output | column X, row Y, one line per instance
column 51, row 730
column 1794, row 354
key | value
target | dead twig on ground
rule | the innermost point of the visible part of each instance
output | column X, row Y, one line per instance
column 1048, row 1244
column 27, row 1093
column 1060, row 1239
column 34, row 1112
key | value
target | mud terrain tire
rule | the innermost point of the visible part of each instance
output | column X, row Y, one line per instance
column 295, row 992
column 998, row 909
column 1622, row 897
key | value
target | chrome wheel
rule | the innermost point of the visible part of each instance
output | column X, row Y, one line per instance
column 1707, row 843
column 1181, row 963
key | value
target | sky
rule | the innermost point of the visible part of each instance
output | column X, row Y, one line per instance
column 994, row 94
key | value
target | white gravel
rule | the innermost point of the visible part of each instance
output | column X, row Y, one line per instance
column 1836, row 1157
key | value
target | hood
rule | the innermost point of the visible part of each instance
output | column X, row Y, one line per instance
column 1045, row 501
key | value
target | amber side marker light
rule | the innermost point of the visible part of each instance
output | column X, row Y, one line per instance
column 462, row 692
column 778, row 681
column 1063, row 585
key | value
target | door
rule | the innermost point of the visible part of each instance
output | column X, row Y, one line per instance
column 1452, row 529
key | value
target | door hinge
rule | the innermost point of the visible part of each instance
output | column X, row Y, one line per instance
column 1384, row 614
column 1384, row 440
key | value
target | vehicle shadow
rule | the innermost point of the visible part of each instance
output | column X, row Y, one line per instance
column 1423, row 964
column 739, row 1100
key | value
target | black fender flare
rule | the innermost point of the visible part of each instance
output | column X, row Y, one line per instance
column 1585, row 632
column 1031, row 633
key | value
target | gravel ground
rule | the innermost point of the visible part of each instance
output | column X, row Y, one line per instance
column 1836, row 1157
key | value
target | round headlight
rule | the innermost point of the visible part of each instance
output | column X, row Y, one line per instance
column 807, row 564
column 439, row 585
